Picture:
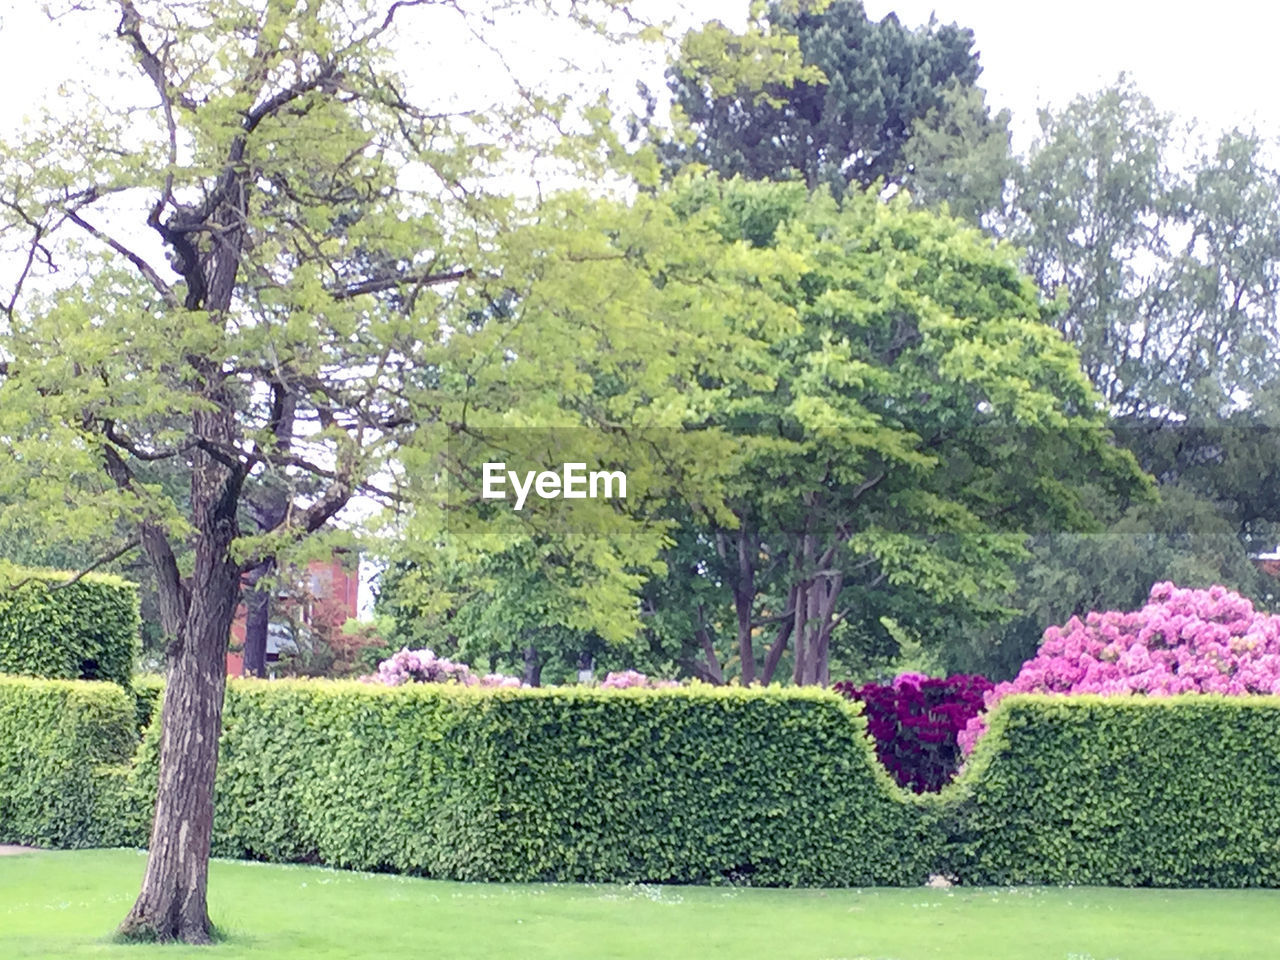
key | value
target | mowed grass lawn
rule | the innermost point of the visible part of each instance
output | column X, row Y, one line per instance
column 65, row 904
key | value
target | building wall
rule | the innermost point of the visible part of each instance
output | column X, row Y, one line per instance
column 334, row 599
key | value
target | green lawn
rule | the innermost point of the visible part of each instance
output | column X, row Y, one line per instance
column 65, row 905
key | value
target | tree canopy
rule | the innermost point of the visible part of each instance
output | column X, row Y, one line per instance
column 845, row 117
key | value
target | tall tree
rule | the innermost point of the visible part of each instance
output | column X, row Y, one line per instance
column 1165, row 256
column 845, row 120
column 913, row 426
column 280, row 156
column 961, row 155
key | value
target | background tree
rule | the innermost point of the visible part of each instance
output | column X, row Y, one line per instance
column 1165, row 256
column 846, row 121
column 961, row 155
column 914, row 425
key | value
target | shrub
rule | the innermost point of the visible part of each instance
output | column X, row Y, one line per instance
column 633, row 678
column 1128, row 790
column 88, row 630
column 689, row 785
column 423, row 666
column 915, row 721
column 55, row 738
column 1182, row 641
column 146, row 690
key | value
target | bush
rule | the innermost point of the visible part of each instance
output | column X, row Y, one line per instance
column 55, row 738
column 1129, row 791
column 690, row 785
column 146, row 690
column 423, row 666
column 1182, row 641
column 915, row 722
column 88, row 630
column 676, row 786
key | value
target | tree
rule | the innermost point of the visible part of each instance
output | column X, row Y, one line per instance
column 273, row 168
column 910, row 430
column 844, row 120
column 925, row 418
column 1166, row 268
column 960, row 155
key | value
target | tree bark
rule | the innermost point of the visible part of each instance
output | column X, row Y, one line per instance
column 257, row 622
column 532, row 667
column 774, row 655
column 744, row 594
column 172, row 903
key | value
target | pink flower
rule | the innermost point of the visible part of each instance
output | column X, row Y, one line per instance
column 1181, row 641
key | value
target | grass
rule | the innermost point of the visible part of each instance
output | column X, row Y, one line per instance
column 65, row 904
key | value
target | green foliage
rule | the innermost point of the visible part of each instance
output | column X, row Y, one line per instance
column 841, row 116
column 1132, row 791
column 147, row 690
column 960, row 155
column 87, row 630
column 56, row 738
column 1184, row 538
column 689, row 786
column 1162, row 251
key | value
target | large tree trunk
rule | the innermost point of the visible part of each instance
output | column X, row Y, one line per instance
column 172, row 903
column 532, row 667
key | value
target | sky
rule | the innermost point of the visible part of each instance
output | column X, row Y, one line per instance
column 1215, row 62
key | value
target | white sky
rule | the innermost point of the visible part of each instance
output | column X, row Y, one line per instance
column 1216, row 62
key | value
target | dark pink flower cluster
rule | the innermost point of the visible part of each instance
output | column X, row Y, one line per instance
column 915, row 722
column 1182, row 641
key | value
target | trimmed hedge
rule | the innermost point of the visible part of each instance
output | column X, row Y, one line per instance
column 56, row 738
column 671, row 786
column 146, row 690
column 1127, row 791
column 689, row 785
column 86, row 631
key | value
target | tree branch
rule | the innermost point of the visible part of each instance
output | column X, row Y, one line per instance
column 130, row 29
column 102, row 561
column 143, row 267
column 378, row 284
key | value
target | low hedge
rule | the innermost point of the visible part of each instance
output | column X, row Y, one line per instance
column 86, row 631
column 1126, row 791
column 683, row 786
column 56, row 740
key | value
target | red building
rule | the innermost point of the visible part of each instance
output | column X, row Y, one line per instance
column 329, row 598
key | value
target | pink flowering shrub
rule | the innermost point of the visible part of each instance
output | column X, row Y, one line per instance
column 915, row 722
column 1182, row 641
column 423, row 666
column 632, row 678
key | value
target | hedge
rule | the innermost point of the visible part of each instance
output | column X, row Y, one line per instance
column 1126, row 791
column 687, row 786
column 56, row 740
column 87, row 631
column 670, row 786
